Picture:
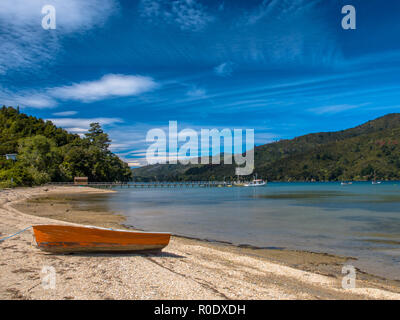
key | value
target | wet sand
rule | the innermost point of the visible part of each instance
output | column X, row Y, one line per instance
column 186, row 269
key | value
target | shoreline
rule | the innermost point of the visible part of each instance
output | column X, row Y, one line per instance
column 203, row 269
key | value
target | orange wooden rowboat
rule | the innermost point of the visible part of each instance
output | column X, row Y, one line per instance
column 62, row 239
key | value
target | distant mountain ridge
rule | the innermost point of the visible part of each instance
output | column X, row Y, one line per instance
column 359, row 153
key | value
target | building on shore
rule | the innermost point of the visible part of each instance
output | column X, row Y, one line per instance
column 81, row 180
column 11, row 156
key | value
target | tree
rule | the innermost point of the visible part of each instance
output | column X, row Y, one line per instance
column 97, row 137
column 40, row 157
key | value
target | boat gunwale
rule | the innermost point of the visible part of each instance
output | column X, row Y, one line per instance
column 101, row 228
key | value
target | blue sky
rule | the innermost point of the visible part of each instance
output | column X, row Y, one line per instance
column 285, row 68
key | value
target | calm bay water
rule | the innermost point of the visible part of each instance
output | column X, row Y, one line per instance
column 360, row 220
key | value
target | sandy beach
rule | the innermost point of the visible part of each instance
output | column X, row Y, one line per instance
column 185, row 269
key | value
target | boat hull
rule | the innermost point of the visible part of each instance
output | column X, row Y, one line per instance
column 64, row 239
column 255, row 185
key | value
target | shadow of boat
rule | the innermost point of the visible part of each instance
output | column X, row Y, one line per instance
column 145, row 254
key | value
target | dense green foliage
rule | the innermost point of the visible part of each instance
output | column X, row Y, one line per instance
column 47, row 153
column 359, row 153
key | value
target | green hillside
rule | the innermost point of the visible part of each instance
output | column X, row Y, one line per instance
column 353, row 154
column 47, row 153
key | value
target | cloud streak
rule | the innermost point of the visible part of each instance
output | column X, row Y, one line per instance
column 27, row 98
column 24, row 43
column 81, row 125
column 188, row 15
column 65, row 113
column 333, row 109
column 109, row 86
column 277, row 8
column 196, row 92
column 224, row 69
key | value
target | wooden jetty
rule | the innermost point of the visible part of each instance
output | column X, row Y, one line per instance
column 183, row 184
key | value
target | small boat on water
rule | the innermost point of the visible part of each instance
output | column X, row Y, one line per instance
column 375, row 181
column 64, row 239
column 255, row 183
column 346, row 183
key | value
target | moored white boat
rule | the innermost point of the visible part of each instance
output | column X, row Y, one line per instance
column 256, row 183
column 375, row 181
column 346, row 183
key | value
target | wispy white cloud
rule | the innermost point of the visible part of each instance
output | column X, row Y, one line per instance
column 72, row 15
column 24, row 43
column 187, row 14
column 291, row 27
column 260, row 12
column 82, row 123
column 334, row 109
column 109, row 86
column 224, row 69
column 65, row 113
column 27, row 98
column 197, row 93
column 190, row 15
column 36, row 101
column 80, row 131
column 276, row 8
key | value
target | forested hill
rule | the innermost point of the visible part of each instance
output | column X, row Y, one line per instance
column 46, row 153
column 358, row 153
